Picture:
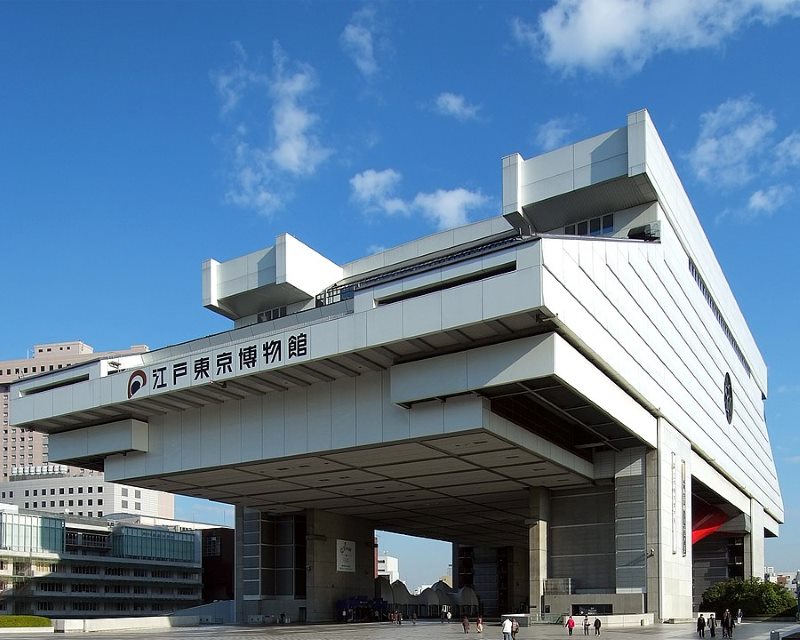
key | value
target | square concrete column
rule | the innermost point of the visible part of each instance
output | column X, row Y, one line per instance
column 669, row 532
column 754, row 543
column 537, row 547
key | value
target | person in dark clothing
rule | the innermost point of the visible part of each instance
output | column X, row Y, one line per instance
column 701, row 626
column 712, row 625
column 597, row 625
column 727, row 621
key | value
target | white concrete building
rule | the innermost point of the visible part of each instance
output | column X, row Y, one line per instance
column 389, row 567
column 51, row 489
column 568, row 392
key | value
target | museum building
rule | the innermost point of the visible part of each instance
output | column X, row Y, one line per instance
column 567, row 392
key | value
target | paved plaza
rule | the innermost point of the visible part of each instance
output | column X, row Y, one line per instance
column 421, row 631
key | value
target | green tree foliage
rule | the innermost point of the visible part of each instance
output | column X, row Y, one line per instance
column 753, row 596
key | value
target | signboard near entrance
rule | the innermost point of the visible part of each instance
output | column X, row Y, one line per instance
column 346, row 556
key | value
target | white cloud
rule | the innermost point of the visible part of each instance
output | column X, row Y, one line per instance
column 252, row 185
column 732, row 137
column 787, row 151
column 358, row 41
column 231, row 85
column 555, row 132
column 449, row 209
column 455, row 105
column 789, row 388
column 767, row 201
column 793, row 459
column 297, row 149
column 621, row 35
column 262, row 174
column 375, row 191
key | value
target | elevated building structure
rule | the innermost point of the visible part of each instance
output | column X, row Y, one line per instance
column 23, row 450
column 28, row 478
column 568, row 392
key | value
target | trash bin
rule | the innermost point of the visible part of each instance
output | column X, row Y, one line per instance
column 774, row 635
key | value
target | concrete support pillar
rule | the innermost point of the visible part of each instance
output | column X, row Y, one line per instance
column 754, row 543
column 537, row 547
column 630, row 520
column 653, row 533
column 238, row 591
column 670, row 575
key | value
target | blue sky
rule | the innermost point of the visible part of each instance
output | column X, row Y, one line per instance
column 139, row 138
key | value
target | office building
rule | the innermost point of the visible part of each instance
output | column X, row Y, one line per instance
column 388, row 567
column 69, row 567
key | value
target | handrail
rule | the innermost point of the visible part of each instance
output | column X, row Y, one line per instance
column 340, row 292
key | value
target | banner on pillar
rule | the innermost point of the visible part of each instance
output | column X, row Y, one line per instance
column 346, row 556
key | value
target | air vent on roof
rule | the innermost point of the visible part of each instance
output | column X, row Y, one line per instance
column 648, row 232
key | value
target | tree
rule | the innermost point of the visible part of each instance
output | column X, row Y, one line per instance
column 753, row 596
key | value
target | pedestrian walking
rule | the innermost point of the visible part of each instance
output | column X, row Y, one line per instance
column 570, row 625
column 507, row 629
column 586, row 625
column 597, row 625
column 701, row 626
column 727, row 623
column 514, row 629
column 739, row 616
column 479, row 624
column 712, row 625
column 465, row 624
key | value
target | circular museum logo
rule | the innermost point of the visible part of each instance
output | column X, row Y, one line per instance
column 727, row 397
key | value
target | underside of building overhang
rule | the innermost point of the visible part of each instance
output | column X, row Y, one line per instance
column 469, row 486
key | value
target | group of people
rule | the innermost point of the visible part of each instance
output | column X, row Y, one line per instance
column 510, row 629
column 587, row 624
column 478, row 624
column 727, row 624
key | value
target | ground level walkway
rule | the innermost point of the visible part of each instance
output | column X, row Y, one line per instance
column 420, row 631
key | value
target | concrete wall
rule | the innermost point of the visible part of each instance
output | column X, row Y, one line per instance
column 316, row 565
column 325, row 416
column 325, row 584
column 629, row 521
column 120, row 624
column 581, row 538
column 621, row 602
column 638, row 309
